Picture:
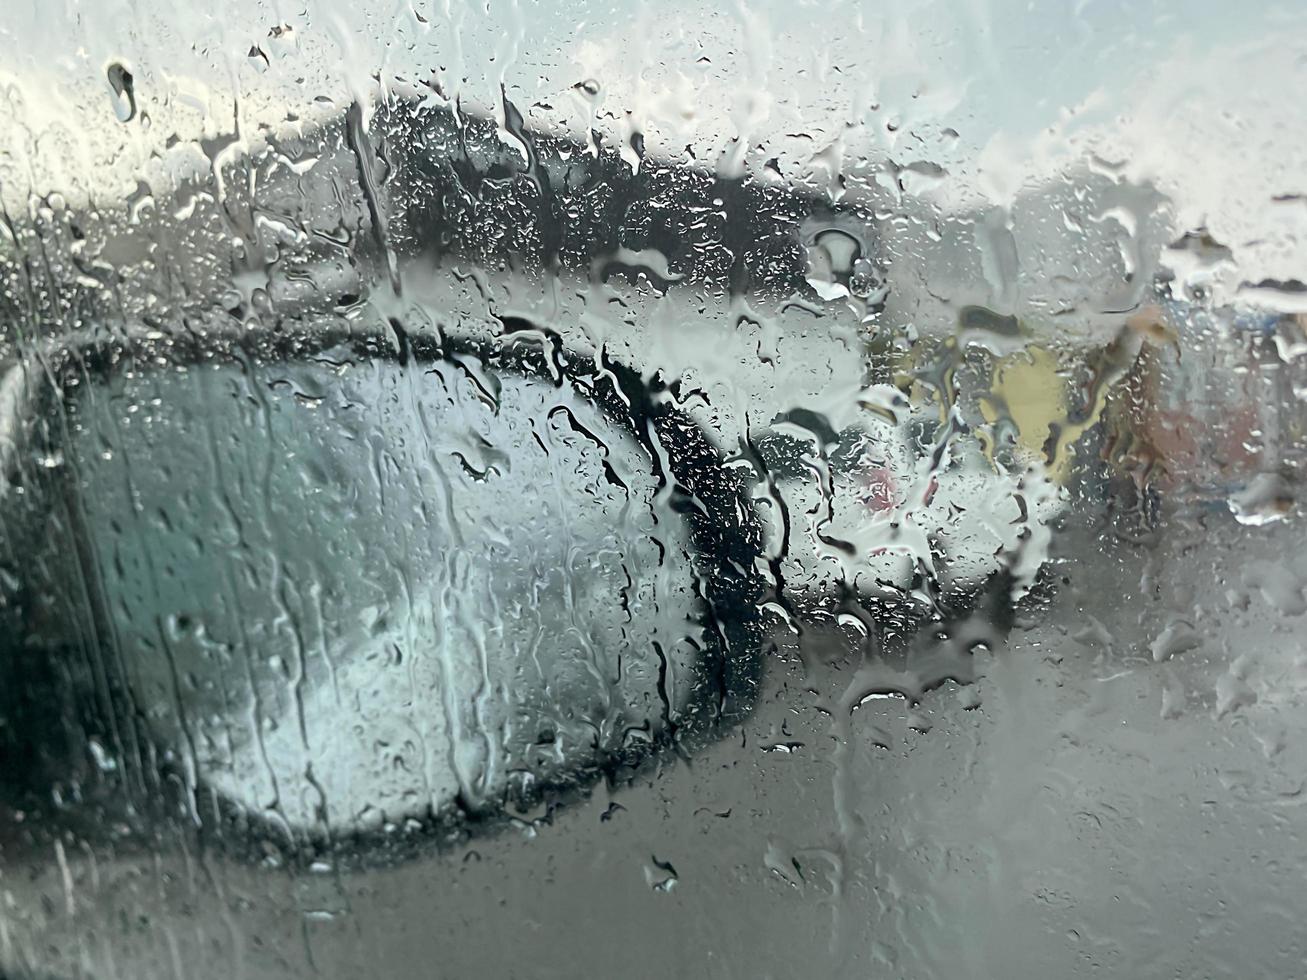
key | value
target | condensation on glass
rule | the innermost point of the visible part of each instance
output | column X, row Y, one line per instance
column 652, row 490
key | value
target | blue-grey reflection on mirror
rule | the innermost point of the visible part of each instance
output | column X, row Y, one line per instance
column 349, row 593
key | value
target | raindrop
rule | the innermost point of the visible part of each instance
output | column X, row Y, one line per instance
column 122, row 91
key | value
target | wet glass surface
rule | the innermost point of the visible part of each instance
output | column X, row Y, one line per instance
column 647, row 490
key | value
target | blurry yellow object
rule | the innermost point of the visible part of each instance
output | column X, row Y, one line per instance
column 1033, row 389
column 1031, row 386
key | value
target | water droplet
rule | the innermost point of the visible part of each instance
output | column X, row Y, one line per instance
column 1265, row 499
column 660, row 875
column 122, row 91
